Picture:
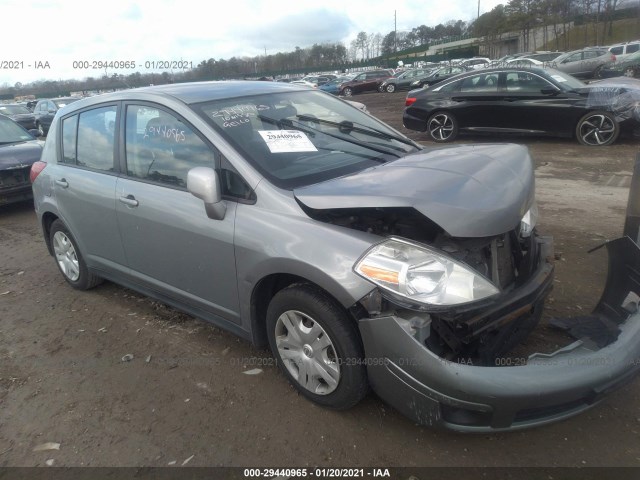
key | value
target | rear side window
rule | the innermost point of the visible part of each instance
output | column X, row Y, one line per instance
column 95, row 139
column 633, row 47
column 480, row 83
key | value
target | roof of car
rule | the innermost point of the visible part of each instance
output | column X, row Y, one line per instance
column 197, row 92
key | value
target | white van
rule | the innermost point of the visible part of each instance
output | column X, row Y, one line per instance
column 623, row 50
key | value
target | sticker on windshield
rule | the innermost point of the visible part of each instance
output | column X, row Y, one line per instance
column 286, row 141
column 558, row 78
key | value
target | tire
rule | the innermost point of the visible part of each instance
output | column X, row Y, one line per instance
column 598, row 72
column 442, row 127
column 597, row 129
column 347, row 92
column 629, row 72
column 69, row 259
column 317, row 346
column 391, row 88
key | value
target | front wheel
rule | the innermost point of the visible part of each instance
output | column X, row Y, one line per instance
column 317, row 346
column 391, row 88
column 597, row 129
column 442, row 127
column 69, row 259
column 347, row 92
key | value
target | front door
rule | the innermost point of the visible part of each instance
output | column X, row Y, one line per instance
column 171, row 245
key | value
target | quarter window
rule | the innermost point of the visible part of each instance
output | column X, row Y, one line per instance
column 161, row 148
column 94, row 141
column 69, row 135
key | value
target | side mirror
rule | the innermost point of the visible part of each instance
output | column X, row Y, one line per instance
column 51, row 111
column 203, row 182
column 549, row 91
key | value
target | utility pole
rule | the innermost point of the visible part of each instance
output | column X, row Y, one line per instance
column 395, row 31
column 478, row 9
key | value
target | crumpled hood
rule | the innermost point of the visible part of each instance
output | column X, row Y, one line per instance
column 17, row 155
column 469, row 191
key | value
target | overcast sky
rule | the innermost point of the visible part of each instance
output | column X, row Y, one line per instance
column 63, row 31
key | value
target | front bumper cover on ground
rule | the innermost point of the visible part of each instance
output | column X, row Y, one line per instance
column 549, row 387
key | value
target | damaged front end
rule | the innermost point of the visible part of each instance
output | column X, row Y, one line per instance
column 547, row 387
column 461, row 278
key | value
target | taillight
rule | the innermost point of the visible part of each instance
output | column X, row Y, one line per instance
column 409, row 101
column 36, row 168
column 613, row 57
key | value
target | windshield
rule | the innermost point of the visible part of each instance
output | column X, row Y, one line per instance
column 14, row 110
column 299, row 138
column 11, row 132
column 566, row 81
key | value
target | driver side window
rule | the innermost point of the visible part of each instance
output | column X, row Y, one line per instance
column 162, row 148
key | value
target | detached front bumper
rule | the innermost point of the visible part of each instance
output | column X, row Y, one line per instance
column 549, row 387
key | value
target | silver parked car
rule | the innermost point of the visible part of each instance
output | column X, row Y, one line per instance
column 293, row 219
column 586, row 63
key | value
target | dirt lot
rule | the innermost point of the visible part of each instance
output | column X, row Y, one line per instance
column 184, row 396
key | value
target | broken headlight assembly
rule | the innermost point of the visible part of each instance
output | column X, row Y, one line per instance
column 421, row 276
column 529, row 220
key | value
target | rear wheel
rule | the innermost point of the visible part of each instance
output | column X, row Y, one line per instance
column 442, row 127
column 69, row 259
column 317, row 346
column 597, row 129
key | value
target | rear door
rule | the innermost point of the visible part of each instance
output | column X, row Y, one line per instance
column 477, row 101
column 84, row 185
column 171, row 246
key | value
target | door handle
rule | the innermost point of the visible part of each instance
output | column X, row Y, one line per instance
column 129, row 200
column 63, row 183
column 510, row 99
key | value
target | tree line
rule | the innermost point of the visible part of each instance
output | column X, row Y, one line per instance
column 516, row 15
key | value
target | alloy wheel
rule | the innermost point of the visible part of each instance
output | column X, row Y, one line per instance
column 441, row 127
column 597, row 129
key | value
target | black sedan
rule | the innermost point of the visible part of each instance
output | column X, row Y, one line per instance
column 18, row 151
column 438, row 75
column 404, row 80
column 19, row 113
column 525, row 101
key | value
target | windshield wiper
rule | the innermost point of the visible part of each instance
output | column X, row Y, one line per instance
column 347, row 126
column 286, row 122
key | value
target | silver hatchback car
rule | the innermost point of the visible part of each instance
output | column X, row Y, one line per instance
column 293, row 219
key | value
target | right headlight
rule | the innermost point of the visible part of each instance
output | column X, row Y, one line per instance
column 422, row 275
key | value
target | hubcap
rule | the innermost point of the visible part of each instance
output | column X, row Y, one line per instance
column 441, row 127
column 597, row 130
column 66, row 256
column 307, row 352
